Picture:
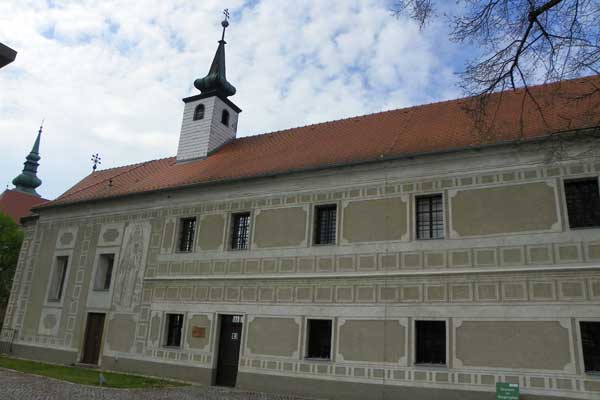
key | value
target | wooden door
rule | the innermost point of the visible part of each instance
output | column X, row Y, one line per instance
column 93, row 338
column 229, row 350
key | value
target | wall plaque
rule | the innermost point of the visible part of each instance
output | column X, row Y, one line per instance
column 198, row 331
column 507, row 391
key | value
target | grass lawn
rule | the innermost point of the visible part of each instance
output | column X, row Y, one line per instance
column 84, row 376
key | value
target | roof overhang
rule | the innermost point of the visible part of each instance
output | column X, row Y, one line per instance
column 213, row 94
column 565, row 135
column 7, row 55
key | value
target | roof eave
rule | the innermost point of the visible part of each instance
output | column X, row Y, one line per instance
column 381, row 158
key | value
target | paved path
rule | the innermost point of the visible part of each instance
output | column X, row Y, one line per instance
column 20, row 386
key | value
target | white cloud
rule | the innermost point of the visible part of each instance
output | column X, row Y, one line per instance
column 108, row 76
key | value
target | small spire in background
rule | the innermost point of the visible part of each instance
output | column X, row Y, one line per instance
column 96, row 160
column 28, row 180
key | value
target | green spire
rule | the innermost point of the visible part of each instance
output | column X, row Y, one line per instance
column 27, row 181
column 216, row 82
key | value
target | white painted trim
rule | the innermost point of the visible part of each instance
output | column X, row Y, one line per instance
column 378, row 274
column 175, row 248
column 579, row 349
column 332, row 349
column 564, row 322
column 563, row 197
column 557, row 227
column 258, row 210
column 59, row 253
column 163, row 336
column 92, row 292
column 196, row 245
column 343, row 204
column 296, row 354
column 413, row 225
column 413, row 344
column 403, row 361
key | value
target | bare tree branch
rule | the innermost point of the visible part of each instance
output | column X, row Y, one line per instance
column 517, row 43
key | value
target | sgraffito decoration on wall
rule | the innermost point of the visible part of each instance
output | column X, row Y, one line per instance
column 130, row 270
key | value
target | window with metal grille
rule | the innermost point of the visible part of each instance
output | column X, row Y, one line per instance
column 104, row 272
column 583, row 203
column 173, row 331
column 57, row 282
column 187, row 228
column 590, row 343
column 240, row 228
column 325, row 224
column 319, row 339
column 430, row 342
column 199, row 112
column 430, row 217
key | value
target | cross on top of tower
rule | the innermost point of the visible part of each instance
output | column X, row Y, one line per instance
column 96, row 160
column 216, row 81
column 225, row 22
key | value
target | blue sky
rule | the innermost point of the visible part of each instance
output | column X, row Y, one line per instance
column 108, row 77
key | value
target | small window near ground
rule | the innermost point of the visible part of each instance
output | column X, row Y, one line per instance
column 590, row 343
column 187, row 229
column 583, row 203
column 240, row 228
column 325, row 224
column 199, row 112
column 104, row 272
column 319, row 339
column 57, row 281
column 174, row 328
column 430, row 342
column 430, row 217
column 225, row 117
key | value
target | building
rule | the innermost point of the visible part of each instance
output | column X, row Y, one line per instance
column 416, row 253
column 17, row 202
column 7, row 55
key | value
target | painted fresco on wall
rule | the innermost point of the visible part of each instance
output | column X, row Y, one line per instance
column 132, row 263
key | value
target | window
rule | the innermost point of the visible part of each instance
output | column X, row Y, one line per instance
column 239, row 231
column 57, row 281
column 104, row 271
column 319, row 339
column 430, row 217
column 590, row 343
column 199, row 112
column 583, row 203
column 325, row 223
column 187, row 228
column 225, row 117
column 174, row 328
column 430, row 342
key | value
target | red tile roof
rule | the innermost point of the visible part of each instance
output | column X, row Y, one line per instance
column 445, row 126
column 17, row 204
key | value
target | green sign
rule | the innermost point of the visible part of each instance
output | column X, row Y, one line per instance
column 507, row 391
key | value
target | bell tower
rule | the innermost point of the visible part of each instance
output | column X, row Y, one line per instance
column 209, row 118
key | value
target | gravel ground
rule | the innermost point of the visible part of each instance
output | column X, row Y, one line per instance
column 20, row 386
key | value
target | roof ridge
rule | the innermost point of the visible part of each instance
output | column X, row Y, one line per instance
column 135, row 166
column 410, row 108
column 420, row 129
